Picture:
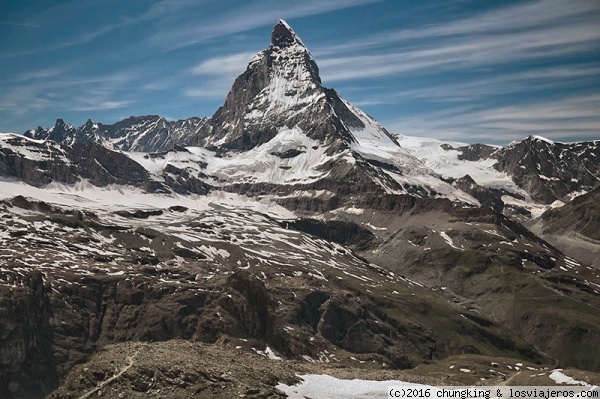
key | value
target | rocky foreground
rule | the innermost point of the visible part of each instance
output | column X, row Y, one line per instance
column 182, row 369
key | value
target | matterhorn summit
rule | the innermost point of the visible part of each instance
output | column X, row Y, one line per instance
column 283, row 35
column 288, row 128
column 280, row 90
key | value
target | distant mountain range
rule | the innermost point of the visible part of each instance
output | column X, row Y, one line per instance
column 289, row 224
column 150, row 133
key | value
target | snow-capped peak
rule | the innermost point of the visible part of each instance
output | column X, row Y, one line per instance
column 281, row 89
column 541, row 138
column 289, row 129
column 284, row 36
column 90, row 124
column 61, row 124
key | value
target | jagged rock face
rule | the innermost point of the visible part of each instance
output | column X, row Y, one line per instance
column 183, row 132
column 40, row 163
column 475, row 152
column 61, row 132
column 486, row 196
column 546, row 170
column 150, row 133
column 280, row 89
column 551, row 171
column 27, row 364
column 35, row 163
column 492, row 197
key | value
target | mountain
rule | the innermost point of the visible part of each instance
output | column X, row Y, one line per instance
column 281, row 90
column 43, row 162
column 546, row 170
column 39, row 163
column 280, row 131
column 580, row 215
column 522, row 179
column 61, row 132
column 289, row 227
column 150, row 133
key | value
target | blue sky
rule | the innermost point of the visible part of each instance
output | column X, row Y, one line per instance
column 472, row 71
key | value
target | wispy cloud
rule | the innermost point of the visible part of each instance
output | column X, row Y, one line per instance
column 35, row 93
column 465, row 53
column 246, row 16
column 77, row 39
column 228, row 65
column 53, row 20
column 94, row 105
column 520, row 18
column 43, row 73
column 173, row 29
column 532, row 31
column 524, row 16
column 541, row 79
column 217, row 75
column 574, row 118
column 19, row 24
column 446, row 71
column 469, row 69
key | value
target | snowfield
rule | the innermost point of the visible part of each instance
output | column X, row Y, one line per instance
column 84, row 195
column 325, row 386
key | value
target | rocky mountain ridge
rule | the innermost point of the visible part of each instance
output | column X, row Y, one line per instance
column 548, row 170
column 536, row 171
column 110, row 274
column 150, row 133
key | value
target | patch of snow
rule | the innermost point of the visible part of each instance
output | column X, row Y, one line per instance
column 449, row 241
column 85, row 195
column 541, row 138
column 355, row 211
column 325, row 386
column 560, row 378
column 446, row 163
column 271, row 354
column 375, row 227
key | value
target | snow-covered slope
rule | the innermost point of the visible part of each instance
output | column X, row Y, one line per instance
column 534, row 174
column 272, row 162
column 444, row 157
